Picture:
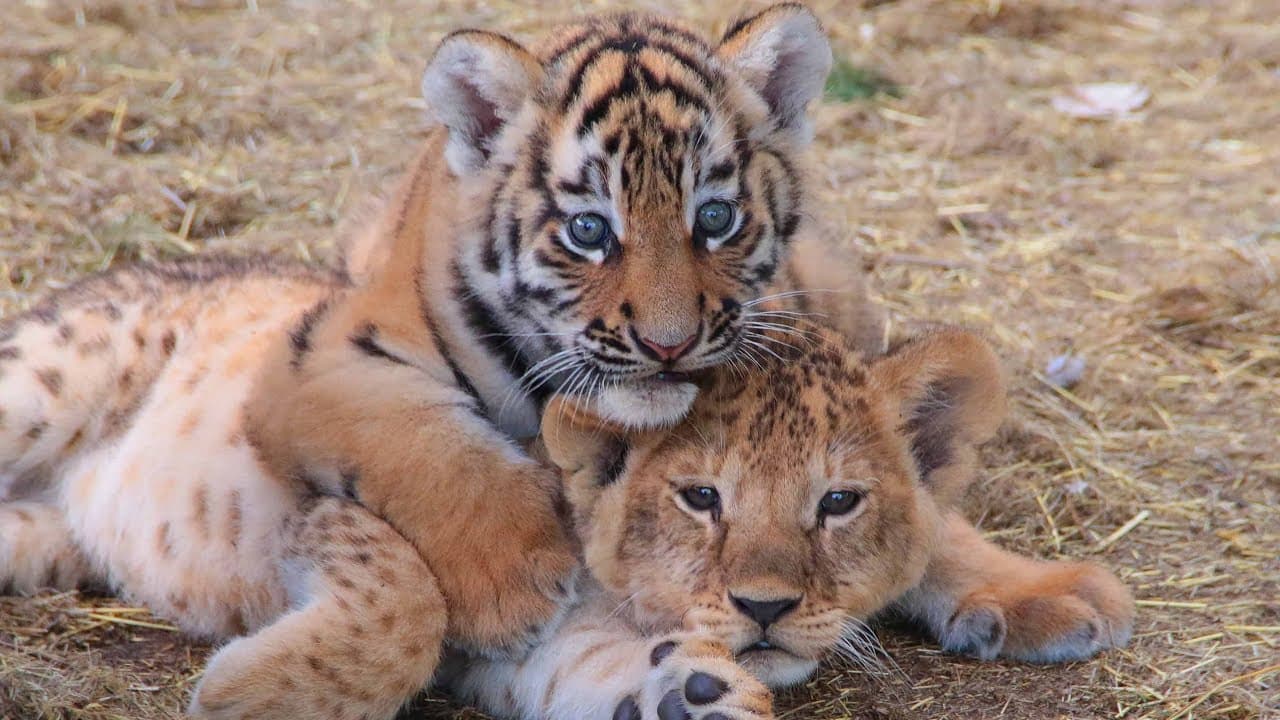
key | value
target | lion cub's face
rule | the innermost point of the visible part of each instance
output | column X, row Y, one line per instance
column 791, row 503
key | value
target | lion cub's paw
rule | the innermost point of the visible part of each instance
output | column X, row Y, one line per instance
column 1062, row 612
column 695, row 678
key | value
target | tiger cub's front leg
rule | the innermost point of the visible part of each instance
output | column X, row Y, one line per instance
column 595, row 666
column 368, row 423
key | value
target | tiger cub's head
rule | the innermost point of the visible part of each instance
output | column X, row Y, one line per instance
column 634, row 187
column 791, row 503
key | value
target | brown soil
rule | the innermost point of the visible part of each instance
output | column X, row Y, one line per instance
column 1148, row 245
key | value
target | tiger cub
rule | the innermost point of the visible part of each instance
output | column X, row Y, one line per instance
column 313, row 462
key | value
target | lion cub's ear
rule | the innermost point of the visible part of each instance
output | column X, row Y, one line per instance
column 579, row 441
column 475, row 85
column 947, row 392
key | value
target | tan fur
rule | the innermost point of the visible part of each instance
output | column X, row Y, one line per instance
column 901, row 429
column 192, row 425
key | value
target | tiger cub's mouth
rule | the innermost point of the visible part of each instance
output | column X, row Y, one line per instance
column 659, row 400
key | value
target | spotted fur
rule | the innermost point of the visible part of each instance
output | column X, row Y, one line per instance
column 698, row 611
column 201, row 427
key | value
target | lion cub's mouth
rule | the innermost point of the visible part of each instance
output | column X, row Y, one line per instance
column 763, row 647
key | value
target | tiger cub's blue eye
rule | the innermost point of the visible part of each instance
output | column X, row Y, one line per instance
column 715, row 218
column 588, row 230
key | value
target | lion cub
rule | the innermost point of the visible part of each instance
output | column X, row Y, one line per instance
column 733, row 551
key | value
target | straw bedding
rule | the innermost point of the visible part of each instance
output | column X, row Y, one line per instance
column 1146, row 245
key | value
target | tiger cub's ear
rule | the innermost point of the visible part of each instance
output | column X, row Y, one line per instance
column 947, row 394
column 475, row 85
column 783, row 55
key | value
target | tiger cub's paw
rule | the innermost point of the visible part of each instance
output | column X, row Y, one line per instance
column 1064, row 612
column 695, row 678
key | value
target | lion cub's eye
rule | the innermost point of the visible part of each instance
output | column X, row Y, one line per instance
column 701, row 498
column 839, row 502
column 588, row 230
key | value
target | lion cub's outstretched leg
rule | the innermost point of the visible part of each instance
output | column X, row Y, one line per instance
column 366, row 634
column 37, row 550
column 983, row 601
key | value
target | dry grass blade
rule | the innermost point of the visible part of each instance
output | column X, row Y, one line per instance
column 1146, row 245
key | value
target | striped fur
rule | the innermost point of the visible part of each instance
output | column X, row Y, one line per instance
column 312, row 463
column 641, row 121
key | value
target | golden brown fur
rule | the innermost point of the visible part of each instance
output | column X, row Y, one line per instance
column 762, row 584
column 183, row 428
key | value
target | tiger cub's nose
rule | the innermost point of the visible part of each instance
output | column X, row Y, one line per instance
column 666, row 353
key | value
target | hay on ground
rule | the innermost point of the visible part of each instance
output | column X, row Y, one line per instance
column 1148, row 246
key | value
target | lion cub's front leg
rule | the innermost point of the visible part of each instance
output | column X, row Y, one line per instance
column 696, row 678
column 983, row 601
column 596, row 667
column 365, row 634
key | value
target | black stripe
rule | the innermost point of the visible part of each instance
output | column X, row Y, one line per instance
column 632, row 45
column 616, row 362
column 565, row 305
column 366, row 341
column 617, row 463
column 575, row 187
column 350, row 479
column 537, row 293
column 614, row 344
column 786, row 226
column 459, row 377
column 485, row 326
column 489, row 256
column 300, row 335
column 745, row 227
column 685, row 96
column 543, row 258
column 437, row 337
column 513, row 237
column 601, row 166
column 722, row 170
column 597, row 109
column 575, row 85
column 704, row 74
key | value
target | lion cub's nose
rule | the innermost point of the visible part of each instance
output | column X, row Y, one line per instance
column 765, row 612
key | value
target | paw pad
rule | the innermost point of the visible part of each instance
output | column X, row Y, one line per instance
column 661, row 651
column 671, row 707
column 627, row 709
column 701, row 688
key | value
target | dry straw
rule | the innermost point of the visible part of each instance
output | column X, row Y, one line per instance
column 1147, row 245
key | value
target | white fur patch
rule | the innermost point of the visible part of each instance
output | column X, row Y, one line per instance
column 778, row 670
column 646, row 404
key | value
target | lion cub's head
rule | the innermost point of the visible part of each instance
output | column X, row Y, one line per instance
column 793, row 498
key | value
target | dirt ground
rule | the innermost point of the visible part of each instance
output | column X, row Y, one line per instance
column 1146, row 245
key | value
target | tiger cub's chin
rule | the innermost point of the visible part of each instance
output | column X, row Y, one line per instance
column 647, row 403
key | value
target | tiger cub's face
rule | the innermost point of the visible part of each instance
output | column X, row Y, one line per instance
column 791, row 504
column 639, row 186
